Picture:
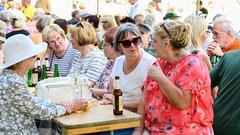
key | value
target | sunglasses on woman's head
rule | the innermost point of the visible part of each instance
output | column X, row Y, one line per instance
column 165, row 28
column 127, row 43
column 79, row 24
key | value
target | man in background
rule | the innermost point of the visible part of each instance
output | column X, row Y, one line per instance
column 224, row 37
column 226, row 75
column 75, row 17
column 28, row 9
column 138, row 7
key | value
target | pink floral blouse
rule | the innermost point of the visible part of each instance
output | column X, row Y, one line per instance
column 161, row 117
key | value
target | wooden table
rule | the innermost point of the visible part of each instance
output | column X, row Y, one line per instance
column 96, row 119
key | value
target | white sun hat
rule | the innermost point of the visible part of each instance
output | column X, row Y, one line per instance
column 18, row 48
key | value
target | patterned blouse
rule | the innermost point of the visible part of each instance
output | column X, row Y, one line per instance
column 19, row 107
column 104, row 79
column 161, row 116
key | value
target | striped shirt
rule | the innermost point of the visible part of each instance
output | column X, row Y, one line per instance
column 64, row 63
column 91, row 65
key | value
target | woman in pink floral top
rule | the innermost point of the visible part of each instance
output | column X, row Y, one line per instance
column 177, row 94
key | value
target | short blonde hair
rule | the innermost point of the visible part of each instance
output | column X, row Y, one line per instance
column 199, row 27
column 178, row 33
column 109, row 19
column 84, row 33
column 48, row 30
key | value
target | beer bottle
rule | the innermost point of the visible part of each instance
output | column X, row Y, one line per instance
column 117, row 100
column 29, row 77
column 36, row 74
column 47, row 64
column 56, row 72
column 214, row 59
column 44, row 72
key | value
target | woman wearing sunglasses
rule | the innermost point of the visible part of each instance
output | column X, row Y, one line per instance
column 103, row 82
column 18, row 106
column 132, row 67
column 177, row 93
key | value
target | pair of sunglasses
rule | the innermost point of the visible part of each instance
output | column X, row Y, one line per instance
column 165, row 28
column 79, row 24
column 127, row 43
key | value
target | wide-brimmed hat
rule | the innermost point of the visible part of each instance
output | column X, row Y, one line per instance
column 3, row 30
column 18, row 48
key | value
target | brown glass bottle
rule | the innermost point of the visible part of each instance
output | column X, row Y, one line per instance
column 36, row 74
column 117, row 100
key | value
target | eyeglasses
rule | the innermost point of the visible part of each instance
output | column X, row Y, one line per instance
column 127, row 43
column 1, row 42
column 215, row 33
column 34, row 57
column 104, row 22
column 165, row 28
column 79, row 24
column 56, row 40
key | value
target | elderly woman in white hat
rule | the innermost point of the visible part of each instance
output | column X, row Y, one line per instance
column 18, row 106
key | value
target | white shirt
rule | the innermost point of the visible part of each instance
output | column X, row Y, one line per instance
column 131, row 83
column 138, row 8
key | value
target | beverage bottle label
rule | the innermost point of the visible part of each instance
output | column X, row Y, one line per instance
column 34, row 78
column 120, row 103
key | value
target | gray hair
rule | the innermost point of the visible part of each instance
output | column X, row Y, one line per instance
column 123, row 32
column 44, row 21
column 226, row 26
column 5, row 16
column 150, row 20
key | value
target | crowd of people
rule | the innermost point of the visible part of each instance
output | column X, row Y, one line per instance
column 181, row 76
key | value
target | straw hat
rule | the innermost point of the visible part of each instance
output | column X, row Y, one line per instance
column 18, row 48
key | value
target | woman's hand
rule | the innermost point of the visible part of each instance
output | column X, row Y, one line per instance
column 107, row 99
column 50, row 73
column 76, row 105
column 155, row 72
